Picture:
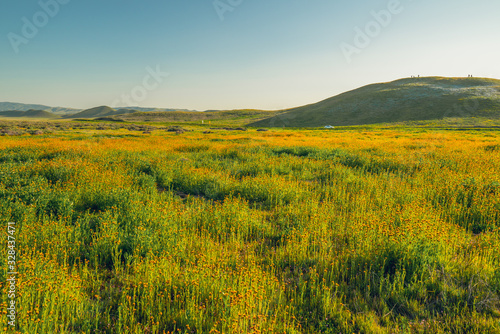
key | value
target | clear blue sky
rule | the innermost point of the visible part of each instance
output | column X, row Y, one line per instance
column 267, row 54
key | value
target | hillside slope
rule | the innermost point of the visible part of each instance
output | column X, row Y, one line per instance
column 429, row 98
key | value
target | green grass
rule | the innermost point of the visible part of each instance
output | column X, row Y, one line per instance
column 361, row 230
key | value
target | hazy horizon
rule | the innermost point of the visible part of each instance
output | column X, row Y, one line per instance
column 234, row 54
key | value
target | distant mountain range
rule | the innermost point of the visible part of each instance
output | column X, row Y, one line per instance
column 404, row 100
column 32, row 113
column 7, row 106
column 20, row 110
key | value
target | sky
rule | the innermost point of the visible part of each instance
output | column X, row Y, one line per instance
column 234, row 54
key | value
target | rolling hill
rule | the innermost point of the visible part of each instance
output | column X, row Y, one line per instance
column 226, row 117
column 102, row 111
column 156, row 109
column 414, row 99
column 28, row 114
column 9, row 106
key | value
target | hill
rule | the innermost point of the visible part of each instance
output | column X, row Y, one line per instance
column 102, row 111
column 28, row 114
column 9, row 106
column 156, row 109
column 227, row 117
column 414, row 99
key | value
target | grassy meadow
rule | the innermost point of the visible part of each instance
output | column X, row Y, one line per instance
column 280, row 231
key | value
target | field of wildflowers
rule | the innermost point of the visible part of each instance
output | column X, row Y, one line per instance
column 349, row 231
